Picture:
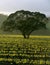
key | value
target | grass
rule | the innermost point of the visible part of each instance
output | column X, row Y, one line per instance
column 35, row 50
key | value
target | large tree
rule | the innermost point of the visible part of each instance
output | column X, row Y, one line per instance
column 25, row 21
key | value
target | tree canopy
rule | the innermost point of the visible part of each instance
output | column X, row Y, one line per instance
column 25, row 21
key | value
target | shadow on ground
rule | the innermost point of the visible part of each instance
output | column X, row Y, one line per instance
column 13, row 63
column 7, row 63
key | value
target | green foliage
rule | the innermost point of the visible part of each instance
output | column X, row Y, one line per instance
column 25, row 21
column 34, row 51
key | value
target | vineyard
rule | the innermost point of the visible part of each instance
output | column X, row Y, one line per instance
column 15, row 50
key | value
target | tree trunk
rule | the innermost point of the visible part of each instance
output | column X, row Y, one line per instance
column 26, row 36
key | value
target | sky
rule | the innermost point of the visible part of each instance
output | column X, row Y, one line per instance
column 10, row 6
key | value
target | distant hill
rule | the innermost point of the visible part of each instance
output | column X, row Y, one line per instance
column 2, row 18
column 48, row 24
column 41, row 32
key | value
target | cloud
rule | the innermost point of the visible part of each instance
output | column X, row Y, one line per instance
column 32, row 5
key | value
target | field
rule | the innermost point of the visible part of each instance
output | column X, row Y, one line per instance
column 32, row 51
